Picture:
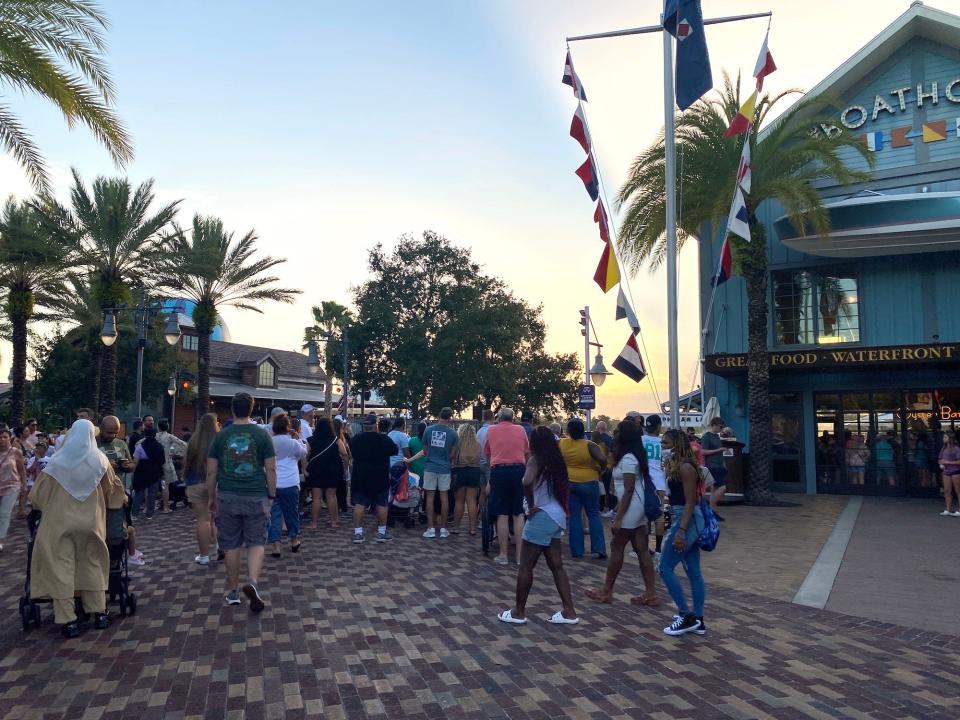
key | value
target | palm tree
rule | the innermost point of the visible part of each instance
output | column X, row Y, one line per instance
column 115, row 238
column 786, row 162
column 54, row 49
column 328, row 319
column 214, row 272
column 79, row 306
column 32, row 269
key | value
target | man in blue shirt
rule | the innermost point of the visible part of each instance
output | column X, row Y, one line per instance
column 438, row 443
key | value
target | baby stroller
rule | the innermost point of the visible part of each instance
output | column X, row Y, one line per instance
column 406, row 497
column 30, row 615
column 118, row 583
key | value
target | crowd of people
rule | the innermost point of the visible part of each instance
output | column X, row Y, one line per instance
column 250, row 485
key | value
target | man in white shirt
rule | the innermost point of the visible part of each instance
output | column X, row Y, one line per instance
column 306, row 421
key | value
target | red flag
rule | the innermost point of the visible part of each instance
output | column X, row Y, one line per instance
column 744, row 118
column 725, row 266
column 600, row 217
column 588, row 173
column 765, row 64
column 578, row 129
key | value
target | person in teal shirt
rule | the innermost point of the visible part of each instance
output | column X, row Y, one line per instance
column 416, row 445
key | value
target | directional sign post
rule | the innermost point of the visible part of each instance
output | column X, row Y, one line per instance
column 587, row 397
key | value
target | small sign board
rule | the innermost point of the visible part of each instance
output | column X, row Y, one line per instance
column 587, row 397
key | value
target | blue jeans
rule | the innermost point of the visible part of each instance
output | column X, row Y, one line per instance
column 586, row 496
column 690, row 557
column 286, row 506
column 151, row 497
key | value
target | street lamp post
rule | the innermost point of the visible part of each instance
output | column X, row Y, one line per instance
column 143, row 312
column 597, row 373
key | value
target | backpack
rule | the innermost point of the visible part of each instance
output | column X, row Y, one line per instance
column 651, row 501
column 709, row 535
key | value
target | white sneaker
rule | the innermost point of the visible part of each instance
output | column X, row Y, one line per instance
column 956, row 513
column 202, row 559
column 633, row 554
column 444, row 533
column 946, row 513
column 136, row 559
column 608, row 514
column 430, row 533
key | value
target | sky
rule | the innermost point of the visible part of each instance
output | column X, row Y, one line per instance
column 329, row 127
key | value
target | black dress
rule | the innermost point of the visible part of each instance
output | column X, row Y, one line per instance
column 325, row 467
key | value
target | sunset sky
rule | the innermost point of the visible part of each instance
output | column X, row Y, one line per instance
column 329, row 127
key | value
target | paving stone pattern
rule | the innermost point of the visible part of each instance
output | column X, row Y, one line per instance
column 409, row 630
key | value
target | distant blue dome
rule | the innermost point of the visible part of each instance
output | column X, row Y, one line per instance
column 184, row 309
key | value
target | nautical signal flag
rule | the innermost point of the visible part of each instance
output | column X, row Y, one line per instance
column 744, row 118
column 571, row 78
column 874, row 141
column 607, row 274
column 745, row 170
column 600, row 217
column 725, row 266
column 629, row 361
column 578, row 129
column 765, row 64
column 625, row 312
column 588, row 173
column 684, row 20
column 739, row 221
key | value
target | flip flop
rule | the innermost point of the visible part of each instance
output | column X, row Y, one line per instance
column 558, row 619
column 645, row 600
column 594, row 595
column 507, row 617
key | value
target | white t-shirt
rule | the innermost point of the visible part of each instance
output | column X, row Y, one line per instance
column 402, row 441
column 544, row 499
column 651, row 443
column 289, row 454
column 305, row 430
column 628, row 465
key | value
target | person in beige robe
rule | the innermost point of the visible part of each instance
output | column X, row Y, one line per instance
column 70, row 556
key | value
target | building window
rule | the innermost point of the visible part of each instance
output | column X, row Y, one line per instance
column 189, row 342
column 813, row 308
column 266, row 375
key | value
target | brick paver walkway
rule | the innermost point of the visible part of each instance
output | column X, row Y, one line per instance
column 408, row 630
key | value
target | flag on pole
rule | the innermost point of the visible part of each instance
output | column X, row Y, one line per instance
column 765, row 64
column 607, row 274
column 571, row 78
column 578, row 129
column 629, row 361
column 600, row 217
column 684, row 20
column 745, row 171
column 625, row 312
column 744, row 118
column 588, row 173
column 739, row 221
column 725, row 266
column 342, row 405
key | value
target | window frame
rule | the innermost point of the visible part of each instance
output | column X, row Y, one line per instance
column 273, row 374
column 815, row 274
column 190, row 343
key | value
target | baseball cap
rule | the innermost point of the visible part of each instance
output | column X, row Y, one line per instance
column 370, row 419
column 307, row 408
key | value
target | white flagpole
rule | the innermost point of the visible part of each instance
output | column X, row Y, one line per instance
column 670, row 179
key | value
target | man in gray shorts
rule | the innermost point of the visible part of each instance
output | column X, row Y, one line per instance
column 438, row 443
column 242, row 482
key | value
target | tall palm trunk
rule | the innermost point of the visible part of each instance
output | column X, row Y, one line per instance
column 756, row 274
column 18, row 373
column 203, row 369
column 328, row 396
column 108, row 380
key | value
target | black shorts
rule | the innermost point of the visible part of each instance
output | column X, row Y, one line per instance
column 467, row 477
column 506, row 490
column 719, row 476
column 370, row 498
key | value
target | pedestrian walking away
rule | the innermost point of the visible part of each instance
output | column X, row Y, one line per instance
column 198, row 493
column 546, row 489
column 290, row 451
column 327, row 463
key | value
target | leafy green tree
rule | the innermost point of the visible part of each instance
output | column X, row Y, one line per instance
column 54, row 49
column 62, row 377
column 214, row 271
column 786, row 163
column 434, row 331
column 32, row 269
column 330, row 320
column 116, row 239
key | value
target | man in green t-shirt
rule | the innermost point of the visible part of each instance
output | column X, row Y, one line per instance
column 242, row 482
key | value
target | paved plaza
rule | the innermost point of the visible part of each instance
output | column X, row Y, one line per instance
column 409, row 630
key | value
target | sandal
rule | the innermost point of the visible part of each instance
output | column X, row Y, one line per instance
column 507, row 617
column 597, row 596
column 558, row 619
column 296, row 548
column 646, row 600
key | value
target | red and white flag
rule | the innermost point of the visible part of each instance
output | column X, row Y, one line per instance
column 765, row 64
column 570, row 78
column 745, row 171
column 578, row 129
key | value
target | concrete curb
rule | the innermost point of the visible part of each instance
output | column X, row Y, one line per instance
column 817, row 586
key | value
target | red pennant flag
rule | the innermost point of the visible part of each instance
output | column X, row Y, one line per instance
column 600, row 217
column 765, row 64
column 578, row 130
column 588, row 173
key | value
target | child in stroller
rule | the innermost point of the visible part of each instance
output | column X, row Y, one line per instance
column 405, row 496
column 122, row 544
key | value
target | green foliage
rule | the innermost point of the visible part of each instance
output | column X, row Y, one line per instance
column 62, row 384
column 329, row 319
column 434, row 331
column 54, row 49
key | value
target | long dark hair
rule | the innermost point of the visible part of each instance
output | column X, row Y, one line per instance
column 553, row 470
column 629, row 439
column 195, row 458
column 323, row 436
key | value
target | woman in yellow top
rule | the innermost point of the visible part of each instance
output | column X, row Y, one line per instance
column 584, row 460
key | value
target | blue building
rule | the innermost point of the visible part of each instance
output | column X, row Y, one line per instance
column 864, row 335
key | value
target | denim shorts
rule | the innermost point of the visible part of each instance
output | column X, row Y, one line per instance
column 242, row 520
column 366, row 499
column 541, row 530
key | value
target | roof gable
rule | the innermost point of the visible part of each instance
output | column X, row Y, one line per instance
column 235, row 355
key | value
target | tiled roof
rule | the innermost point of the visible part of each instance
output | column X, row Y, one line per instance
column 291, row 364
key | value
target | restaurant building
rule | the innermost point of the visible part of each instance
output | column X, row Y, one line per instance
column 864, row 334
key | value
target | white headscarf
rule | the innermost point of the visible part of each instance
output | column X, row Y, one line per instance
column 79, row 465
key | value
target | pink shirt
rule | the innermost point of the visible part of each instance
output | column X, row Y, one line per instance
column 506, row 444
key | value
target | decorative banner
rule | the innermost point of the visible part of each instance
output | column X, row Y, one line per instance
column 588, row 173
column 684, row 20
column 625, row 312
column 629, row 361
column 765, row 64
column 744, row 118
column 745, row 171
column 725, row 266
column 578, row 129
column 738, row 222
column 600, row 217
column 571, row 78
column 607, row 274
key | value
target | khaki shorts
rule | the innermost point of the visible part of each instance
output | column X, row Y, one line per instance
column 436, row 481
column 198, row 494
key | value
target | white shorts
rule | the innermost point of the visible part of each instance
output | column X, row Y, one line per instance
column 436, row 481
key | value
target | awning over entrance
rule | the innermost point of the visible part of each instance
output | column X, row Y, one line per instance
column 228, row 390
column 874, row 224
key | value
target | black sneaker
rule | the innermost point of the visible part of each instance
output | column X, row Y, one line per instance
column 683, row 625
column 702, row 630
column 256, row 603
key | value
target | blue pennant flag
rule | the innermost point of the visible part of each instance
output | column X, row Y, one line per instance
column 684, row 20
